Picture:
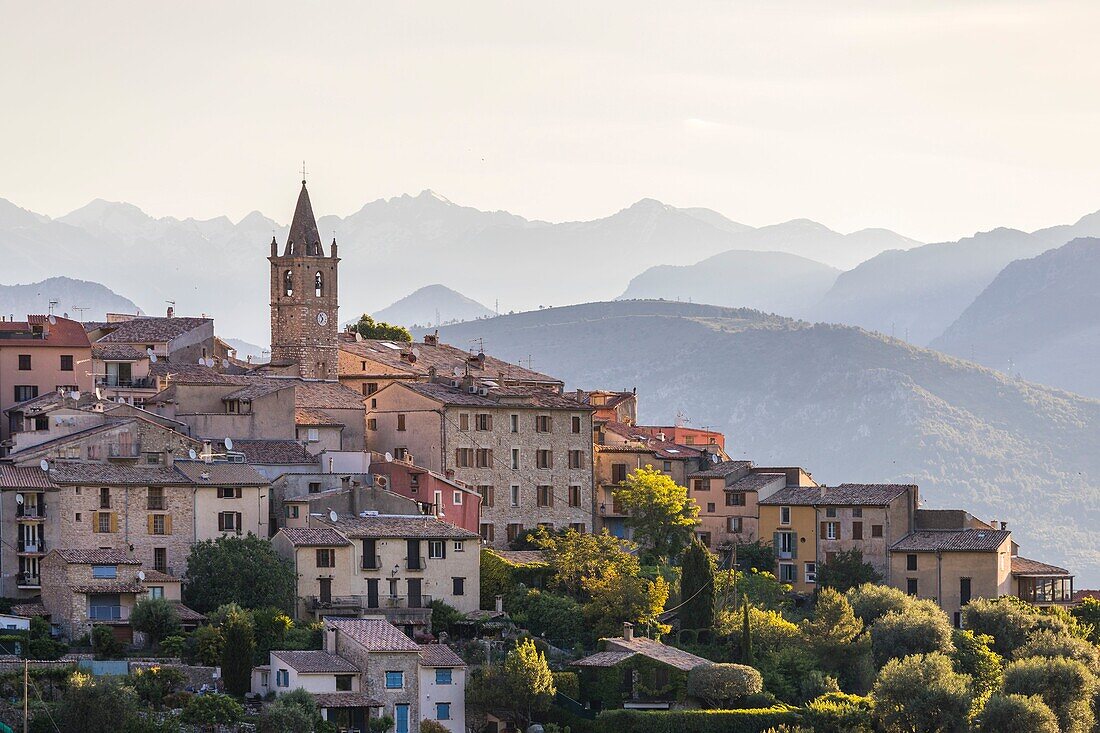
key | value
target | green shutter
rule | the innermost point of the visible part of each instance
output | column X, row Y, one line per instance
column 775, row 543
column 794, row 545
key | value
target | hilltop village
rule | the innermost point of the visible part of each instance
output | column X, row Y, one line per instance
column 426, row 537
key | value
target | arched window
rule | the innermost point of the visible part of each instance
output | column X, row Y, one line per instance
column 318, row 284
column 288, row 283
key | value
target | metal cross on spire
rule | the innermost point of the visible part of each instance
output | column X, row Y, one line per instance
column 303, row 172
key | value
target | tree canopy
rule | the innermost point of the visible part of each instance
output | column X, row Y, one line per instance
column 846, row 570
column 368, row 328
column 659, row 511
column 922, row 694
column 697, row 587
column 244, row 570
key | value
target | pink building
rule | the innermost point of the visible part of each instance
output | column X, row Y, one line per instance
column 460, row 504
column 40, row 355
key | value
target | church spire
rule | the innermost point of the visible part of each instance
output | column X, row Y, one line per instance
column 303, row 238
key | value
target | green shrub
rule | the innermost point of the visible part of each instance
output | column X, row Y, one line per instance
column 1066, row 686
column 837, row 712
column 696, row 721
column 432, row 726
column 568, row 684
column 156, row 618
column 172, row 646
column 154, row 684
column 444, row 617
column 718, row 685
column 904, row 633
column 1016, row 713
column 974, row 656
column 104, row 643
column 212, row 709
column 380, row 724
column 870, row 602
column 1053, row 645
column 922, row 694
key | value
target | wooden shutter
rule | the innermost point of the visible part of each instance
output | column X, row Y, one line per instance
column 824, row 530
column 240, row 492
column 775, row 542
column 457, row 464
column 239, row 528
column 857, row 530
column 550, row 492
column 444, row 542
column 489, row 417
column 221, row 522
column 794, row 545
column 167, row 524
column 150, row 524
column 114, row 522
column 95, row 522
column 489, row 458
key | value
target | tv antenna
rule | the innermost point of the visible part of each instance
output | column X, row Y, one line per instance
column 530, row 363
column 53, row 304
column 80, row 309
column 480, row 341
column 303, row 172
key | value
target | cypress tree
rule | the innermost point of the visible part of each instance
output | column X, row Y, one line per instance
column 746, row 634
column 697, row 587
column 240, row 645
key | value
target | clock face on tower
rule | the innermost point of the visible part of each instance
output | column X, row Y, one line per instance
column 322, row 318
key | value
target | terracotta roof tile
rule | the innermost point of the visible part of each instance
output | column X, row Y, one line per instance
column 345, row 700
column 274, row 452
column 63, row 332
column 669, row 655
column 444, row 357
column 722, row 469
column 326, row 396
column 842, row 495
column 531, row 398
column 16, row 477
column 312, row 417
column 439, row 655
column 394, row 526
column 220, row 474
column 756, row 481
column 1026, row 566
column 314, row 536
column 314, row 661
column 374, row 634
column 186, row 614
column 95, row 588
column 155, row 576
column 97, row 557
column 105, row 473
column 946, row 540
column 150, row 329
column 117, row 352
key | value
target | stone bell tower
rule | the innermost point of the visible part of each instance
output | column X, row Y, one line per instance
column 304, row 301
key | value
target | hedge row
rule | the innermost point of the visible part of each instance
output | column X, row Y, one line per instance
column 755, row 720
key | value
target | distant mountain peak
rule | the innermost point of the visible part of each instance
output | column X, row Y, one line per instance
column 432, row 305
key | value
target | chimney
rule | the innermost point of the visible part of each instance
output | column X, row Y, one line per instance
column 433, row 374
column 500, row 604
column 171, row 312
column 628, row 631
column 432, row 339
column 1004, row 525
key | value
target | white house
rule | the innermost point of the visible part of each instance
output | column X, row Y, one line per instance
column 443, row 686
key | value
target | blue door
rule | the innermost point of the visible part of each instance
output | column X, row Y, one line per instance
column 401, row 715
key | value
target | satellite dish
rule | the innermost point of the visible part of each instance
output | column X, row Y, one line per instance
column 457, row 371
column 225, row 363
column 141, row 575
column 332, row 515
column 389, row 457
column 53, row 319
column 75, row 394
column 98, row 393
column 416, row 352
column 229, row 444
column 358, row 336
column 192, row 454
column 152, row 356
column 202, row 361
column 714, row 458
column 210, row 361
column 18, row 498
column 44, row 465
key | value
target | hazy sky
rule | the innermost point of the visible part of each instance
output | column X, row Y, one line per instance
column 933, row 119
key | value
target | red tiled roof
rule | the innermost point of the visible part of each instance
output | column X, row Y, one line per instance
column 345, row 700
column 312, row 417
column 314, row 536
column 443, row 357
column 842, row 495
column 518, row 398
column 108, row 588
column 274, row 451
column 220, row 474
column 755, row 481
column 375, row 635
column 150, row 329
column 946, row 540
column 62, row 333
column 439, row 655
column 1026, row 566
column 722, row 469
column 97, row 557
column 314, row 661
column 117, row 352
column 396, row 527
column 16, row 477
column 185, row 614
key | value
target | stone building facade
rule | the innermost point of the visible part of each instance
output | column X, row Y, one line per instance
column 304, row 299
column 388, row 661
column 526, row 450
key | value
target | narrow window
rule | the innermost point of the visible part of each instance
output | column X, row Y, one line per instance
column 318, row 284
column 288, row 283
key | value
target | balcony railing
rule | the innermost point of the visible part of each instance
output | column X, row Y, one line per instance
column 124, row 450
column 31, row 546
column 30, row 511
column 415, row 563
column 155, row 503
column 371, row 563
column 108, row 613
column 132, row 383
column 29, row 580
column 356, row 603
